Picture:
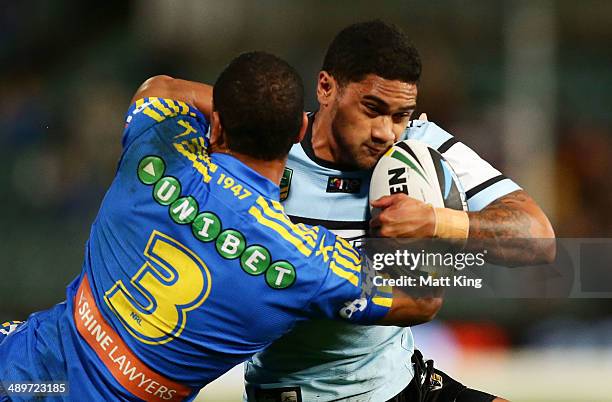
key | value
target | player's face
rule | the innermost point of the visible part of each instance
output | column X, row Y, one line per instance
column 368, row 117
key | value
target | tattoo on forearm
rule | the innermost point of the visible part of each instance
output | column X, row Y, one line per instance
column 509, row 229
column 504, row 218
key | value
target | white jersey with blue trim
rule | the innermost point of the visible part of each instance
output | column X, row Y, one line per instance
column 331, row 361
column 482, row 182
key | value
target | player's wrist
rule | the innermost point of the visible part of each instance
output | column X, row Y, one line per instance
column 451, row 224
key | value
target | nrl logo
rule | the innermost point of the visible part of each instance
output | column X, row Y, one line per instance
column 285, row 183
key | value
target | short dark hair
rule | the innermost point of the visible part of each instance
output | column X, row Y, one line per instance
column 372, row 47
column 260, row 101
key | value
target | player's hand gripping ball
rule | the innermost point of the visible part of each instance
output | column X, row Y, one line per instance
column 408, row 182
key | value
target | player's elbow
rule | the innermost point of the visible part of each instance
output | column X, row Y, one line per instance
column 158, row 81
column 159, row 85
column 545, row 238
column 548, row 250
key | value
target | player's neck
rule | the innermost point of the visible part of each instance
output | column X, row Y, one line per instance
column 272, row 170
column 323, row 143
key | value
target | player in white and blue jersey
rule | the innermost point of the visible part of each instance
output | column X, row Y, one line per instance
column 367, row 93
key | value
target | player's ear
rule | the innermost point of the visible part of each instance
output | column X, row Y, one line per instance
column 327, row 88
column 303, row 129
column 216, row 130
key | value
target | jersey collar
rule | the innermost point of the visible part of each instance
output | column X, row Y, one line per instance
column 309, row 151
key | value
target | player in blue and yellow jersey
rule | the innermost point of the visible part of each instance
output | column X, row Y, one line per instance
column 192, row 265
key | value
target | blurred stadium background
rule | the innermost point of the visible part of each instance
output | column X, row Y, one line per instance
column 526, row 83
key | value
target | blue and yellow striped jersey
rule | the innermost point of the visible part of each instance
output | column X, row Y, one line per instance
column 195, row 266
column 193, row 259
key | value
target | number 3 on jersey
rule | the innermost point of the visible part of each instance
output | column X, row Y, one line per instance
column 172, row 282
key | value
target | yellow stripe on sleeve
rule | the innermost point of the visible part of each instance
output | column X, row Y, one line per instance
column 278, row 205
column 300, row 228
column 347, row 251
column 184, row 107
column 173, row 105
column 284, row 219
column 308, row 232
column 189, row 146
column 349, row 276
column 203, row 146
column 343, row 262
column 280, row 230
column 202, row 154
column 161, row 107
column 199, row 166
column 382, row 301
column 153, row 114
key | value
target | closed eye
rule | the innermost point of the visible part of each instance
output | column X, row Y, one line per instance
column 400, row 117
column 373, row 109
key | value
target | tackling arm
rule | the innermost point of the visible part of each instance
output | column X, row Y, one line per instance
column 163, row 86
column 407, row 311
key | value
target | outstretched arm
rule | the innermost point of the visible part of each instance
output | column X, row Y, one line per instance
column 163, row 86
column 408, row 311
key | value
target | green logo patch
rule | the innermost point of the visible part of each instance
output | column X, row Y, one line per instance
column 230, row 244
column 167, row 190
column 184, row 210
column 255, row 260
column 151, row 169
column 280, row 275
column 206, row 226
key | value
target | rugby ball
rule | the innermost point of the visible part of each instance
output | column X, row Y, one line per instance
column 419, row 171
